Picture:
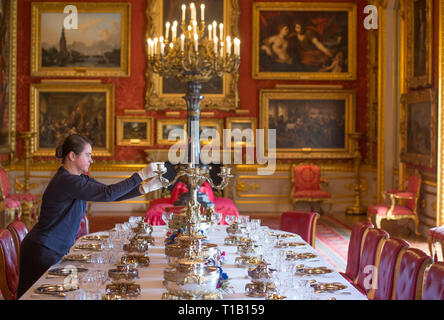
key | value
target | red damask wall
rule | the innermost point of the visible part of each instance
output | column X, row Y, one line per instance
column 130, row 92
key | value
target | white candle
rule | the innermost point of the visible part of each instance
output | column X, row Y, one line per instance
column 214, row 29
column 193, row 11
column 194, row 26
column 162, row 48
column 184, row 8
column 174, row 30
column 182, row 42
column 210, row 32
column 155, row 45
column 202, row 12
column 222, row 49
column 167, row 31
column 236, row 46
column 196, row 47
column 150, row 47
column 221, row 29
column 215, row 45
column 228, row 45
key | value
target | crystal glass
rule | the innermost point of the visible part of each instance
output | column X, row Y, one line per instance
column 230, row 219
column 166, row 216
column 243, row 220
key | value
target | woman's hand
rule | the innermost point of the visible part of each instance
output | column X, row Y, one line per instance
column 150, row 186
column 149, row 170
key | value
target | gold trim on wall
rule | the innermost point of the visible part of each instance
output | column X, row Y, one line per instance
column 440, row 165
column 124, row 9
column 155, row 99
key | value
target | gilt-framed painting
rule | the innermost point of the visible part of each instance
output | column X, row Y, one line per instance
column 166, row 93
column 309, row 123
column 304, row 40
column 171, row 131
column 419, row 43
column 8, row 75
column 419, row 127
column 209, row 128
column 59, row 109
column 98, row 46
column 134, row 131
column 241, row 123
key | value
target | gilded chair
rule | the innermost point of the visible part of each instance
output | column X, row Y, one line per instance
column 436, row 235
column 398, row 210
column 358, row 233
column 16, row 202
column 302, row 223
column 368, row 264
column 18, row 230
column 8, row 266
column 410, row 274
column 306, row 183
column 389, row 261
column 434, row 283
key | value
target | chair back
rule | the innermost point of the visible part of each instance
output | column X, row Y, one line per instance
column 5, row 188
column 410, row 275
column 8, row 266
column 182, row 188
column 83, row 228
column 302, row 223
column 306, row 177
column 389, row 260
column 18, row 230
column 368, row 263
column 434, row 283
column 354, row 248
column 413, row 186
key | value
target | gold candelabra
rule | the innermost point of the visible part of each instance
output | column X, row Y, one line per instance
column 357, row 209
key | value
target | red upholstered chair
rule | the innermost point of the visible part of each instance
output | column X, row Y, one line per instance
column 358, row 233
column 83, row 228
column 435, row 235
column 302, row 223
column 18, row 230
column 223, row 205
column 306, row 186
column 8, row 266
column 395, row 210
column 410, row 275
column 389, row 261
column 370, row 251
column 434, row 283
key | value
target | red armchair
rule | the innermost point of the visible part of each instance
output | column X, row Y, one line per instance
column 358, row 233
column 389, row 259
column 436, row 234
column 18, row 230
column 410, row 279
column 223, row 205
column 301, row 223
column 306, row 186
column 396, row 211
column 8, row 266
column 434, row 283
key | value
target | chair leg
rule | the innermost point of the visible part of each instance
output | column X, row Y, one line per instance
column 416, row 221
column 378, row 220
column 430, row 243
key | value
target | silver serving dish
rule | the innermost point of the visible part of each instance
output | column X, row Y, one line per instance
column 123, row 272
column 249, row 249
column 247, row 261
column 236, row 229
column 259, row 289
column 136, row 246
column 261, row 273
column 234, row 240
column 135, row 260
column 175, row 252
column 122, row 291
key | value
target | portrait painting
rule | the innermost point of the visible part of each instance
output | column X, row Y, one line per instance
column 167, row 92
column 134, row 131
column 312, row 40
column 171, row 131
column 418, row 127
column 309, row 123
column 419, row 43
column 58, row 110
column 97, row 46
column 8, row 66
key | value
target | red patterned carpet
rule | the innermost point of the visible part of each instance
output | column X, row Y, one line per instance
column 332, row 237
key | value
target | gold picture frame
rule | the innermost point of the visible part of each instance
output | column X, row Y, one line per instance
column 419, row 128
column 241, row 123
column 62, row 108
column 134, row 131
column 290, row 25
column 164, row 126
column 217, row 124
column 310, row 124
column 160, row 94
column 419, row 17
column 60, row 59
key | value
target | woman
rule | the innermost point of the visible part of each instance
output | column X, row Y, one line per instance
column 64, row 204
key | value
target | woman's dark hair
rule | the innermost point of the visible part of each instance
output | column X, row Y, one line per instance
column 75, row 143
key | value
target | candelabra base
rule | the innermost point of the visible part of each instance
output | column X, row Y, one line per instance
column 356, row 211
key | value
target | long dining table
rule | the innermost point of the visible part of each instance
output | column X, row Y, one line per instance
column 151, row 277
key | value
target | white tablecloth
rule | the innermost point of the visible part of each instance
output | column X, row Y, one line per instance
column 151, row 277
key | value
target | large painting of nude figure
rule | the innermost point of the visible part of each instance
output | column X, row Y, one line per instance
column 304, row 41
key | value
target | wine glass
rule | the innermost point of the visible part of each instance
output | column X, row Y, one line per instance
column 216, row 218
column 166, row 216
column 230, row 219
